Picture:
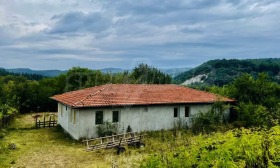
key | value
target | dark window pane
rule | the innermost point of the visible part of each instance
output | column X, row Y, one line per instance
column 115, row 116
column 187, row 111
column 98, row 117
column 175, row 112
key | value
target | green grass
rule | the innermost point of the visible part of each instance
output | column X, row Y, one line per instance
column 26, row 121
column 50, row 147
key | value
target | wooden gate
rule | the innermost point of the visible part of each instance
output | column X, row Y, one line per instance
column 51, row 122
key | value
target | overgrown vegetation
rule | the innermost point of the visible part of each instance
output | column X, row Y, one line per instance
column 236, row 148
column 255, row 147
column 210, row 121
column 258, row 100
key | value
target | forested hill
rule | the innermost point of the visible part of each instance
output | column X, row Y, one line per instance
column 49, row 73
column 220, row 72
column 29, row 76
column 52, row 73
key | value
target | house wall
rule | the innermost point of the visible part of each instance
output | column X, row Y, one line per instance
column 139, row 118
column 68, row 121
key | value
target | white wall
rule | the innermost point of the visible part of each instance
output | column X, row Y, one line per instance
column 64, row 119
column 155, row 118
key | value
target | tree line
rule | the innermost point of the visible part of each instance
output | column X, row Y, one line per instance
column 21, row 92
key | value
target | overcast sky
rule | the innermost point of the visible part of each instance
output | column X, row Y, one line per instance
column 60, row 34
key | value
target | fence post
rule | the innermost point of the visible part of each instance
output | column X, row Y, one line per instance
column 36, row 123
column 44, row 122
column 50, row 120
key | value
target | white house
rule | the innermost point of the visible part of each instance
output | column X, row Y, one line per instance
column 142, row 106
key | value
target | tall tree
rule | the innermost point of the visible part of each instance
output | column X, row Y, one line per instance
column 150, row 75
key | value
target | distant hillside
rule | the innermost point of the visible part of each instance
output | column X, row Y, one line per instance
column 174, row 71
column 30, row 76
column 3, row 72
column 39, row 72
column 112, row 70
column 220, row 72
column 50, row 73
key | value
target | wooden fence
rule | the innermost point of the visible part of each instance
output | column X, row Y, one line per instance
column 51, row 122
column 131, row 138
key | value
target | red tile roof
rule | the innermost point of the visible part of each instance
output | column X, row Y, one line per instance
column 135, row 94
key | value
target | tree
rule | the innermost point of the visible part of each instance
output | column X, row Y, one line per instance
column 149, row 75
column 258, row 99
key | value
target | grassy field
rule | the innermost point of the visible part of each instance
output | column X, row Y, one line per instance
column 50, row 147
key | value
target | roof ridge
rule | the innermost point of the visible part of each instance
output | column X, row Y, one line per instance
column 95, row 93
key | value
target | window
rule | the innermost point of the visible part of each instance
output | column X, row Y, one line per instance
column 73, row 116
column 176, row 112
column 187, row 111
column 146, row 109
column 115, row 116
column 98, row 117
column 66, row 108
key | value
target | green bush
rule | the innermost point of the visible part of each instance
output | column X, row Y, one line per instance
column 258, row 115
column 180, row 124
column 7, row 114
column 209, row 121
column 107, row 129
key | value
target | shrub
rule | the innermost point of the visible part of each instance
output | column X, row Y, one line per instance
column 107, row 128
column 180, row 124
column 7, row 114
column 129, row 129
column 203, row 122
column 258, row 115
column 209, row 121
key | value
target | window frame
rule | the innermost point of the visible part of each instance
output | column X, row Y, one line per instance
column 146, row 109
column 187, row 111
column 176, row 112
column 96, row 118
column 118, row 116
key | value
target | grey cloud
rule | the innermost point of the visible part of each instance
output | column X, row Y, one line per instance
column 79, row 22
column 166, row 33
column 148, row 7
